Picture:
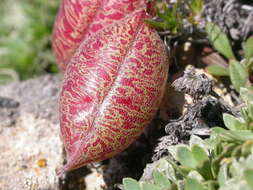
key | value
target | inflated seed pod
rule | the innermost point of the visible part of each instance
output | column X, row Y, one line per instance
column 78, row 19
column 112, row 88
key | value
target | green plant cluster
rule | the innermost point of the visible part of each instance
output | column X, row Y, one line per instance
column 26, row 27
column 238, row 71
column 224, row 161
column 173, row 19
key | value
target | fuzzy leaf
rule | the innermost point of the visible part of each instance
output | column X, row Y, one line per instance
column 245, row 114
column 246, row 95
column 249, row 177
column 219, row 40
column 199, row 154
column 167, row 168
column 248, row 48
column 235, row 136
column 195, row 175
column 223, row 174
column 211, row 185
column 131, row 184
column 161, row 180
column 193, row 184
column 185, row 157
column 217, row 70
column 173, row 150
column 205, row 170
column 249, row 160
column 225, row 134
column 238, row 75
column 242, row 135
column 195, row 140
column 184, row 170
column 237, row 151
column 246, row 148
column 148, row 186
column 215, row 166
column 233, row 123
column 250, row 112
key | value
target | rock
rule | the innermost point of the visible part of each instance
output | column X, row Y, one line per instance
column 234, row 17
column 37, row 96
column 30, row 144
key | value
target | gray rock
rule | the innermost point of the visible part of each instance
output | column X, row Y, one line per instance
column 30, row 144
column 234, row 17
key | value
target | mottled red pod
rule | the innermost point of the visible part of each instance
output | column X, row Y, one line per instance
column 112, row 89
column 77, row 19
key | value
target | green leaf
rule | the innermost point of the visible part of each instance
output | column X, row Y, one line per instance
column 169, row 19
column 233, row 136
column 217, row 147
column 242, row 135
column 199, row 154
column 225, row 134
column 246, row 148
column 217, row 70
column 161, row 180
column 174, row 148
column 249, row 177
column 212, row 185
column 196, row 6
column 183, row 170
column 248, row 48
column 131, row 184
column 233, row 123
column 148, row 186
column 185, row 157
column 246, row 95
column 249, row 160
column 238, row 75
column 215, row 166
column 223, row 174
column 156, row 24
column 196, row 140
column 205, row 170
column 245, row 114
column 193, row 184
column 237, row 151
column 219, row 40
column 167, row 167
column 250, row 111
column 195, row 175
column 166, row 14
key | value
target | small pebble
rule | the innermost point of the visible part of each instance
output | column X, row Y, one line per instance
column 42, row 163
